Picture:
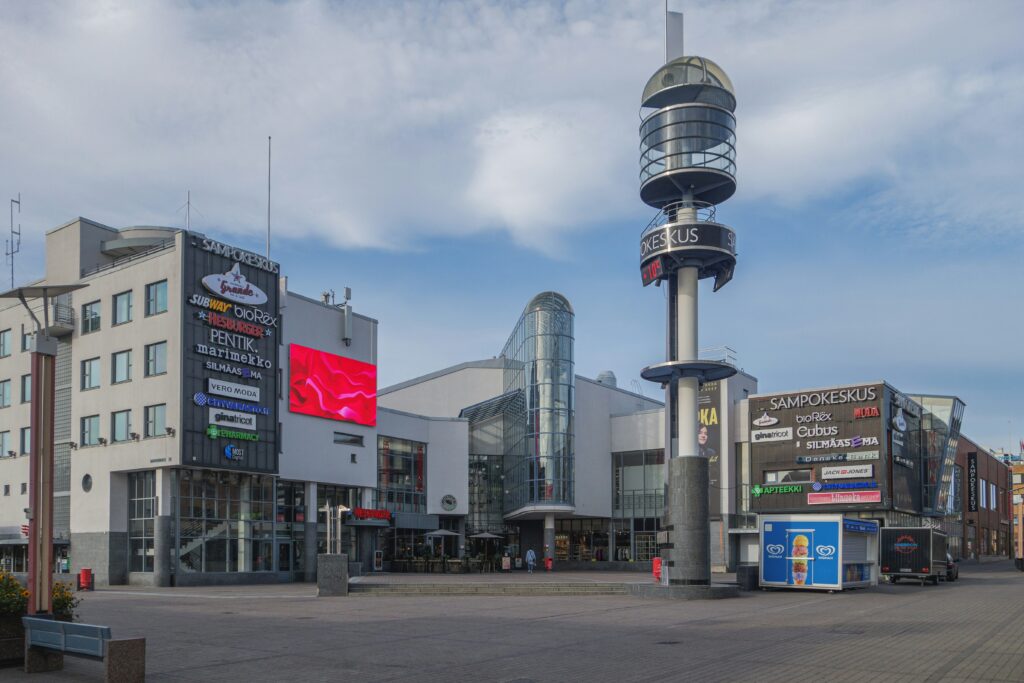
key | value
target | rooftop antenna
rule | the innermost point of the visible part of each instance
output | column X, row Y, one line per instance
column 673, row 30
column 13, row 245
column 188, row 209
column 268, row 197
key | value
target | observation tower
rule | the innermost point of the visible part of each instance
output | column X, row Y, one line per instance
column 687, row 168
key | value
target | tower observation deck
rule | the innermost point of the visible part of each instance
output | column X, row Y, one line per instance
column 687, row 168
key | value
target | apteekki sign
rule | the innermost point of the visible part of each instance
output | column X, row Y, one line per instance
column 231, row 331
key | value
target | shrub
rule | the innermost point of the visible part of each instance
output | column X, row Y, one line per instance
column 65, row 602
column 13, row 596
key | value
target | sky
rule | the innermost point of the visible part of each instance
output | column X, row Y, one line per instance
column 449, row 160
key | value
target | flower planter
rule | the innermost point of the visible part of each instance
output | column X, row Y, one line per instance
column 12, row 641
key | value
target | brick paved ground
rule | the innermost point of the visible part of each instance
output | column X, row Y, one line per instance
column 969, row 630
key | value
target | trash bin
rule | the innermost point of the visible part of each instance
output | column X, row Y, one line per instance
column 548, row 563
column 85, row 579
column 656, row 569
column 746, row 577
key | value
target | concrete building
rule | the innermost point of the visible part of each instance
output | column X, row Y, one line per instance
column 200, row 420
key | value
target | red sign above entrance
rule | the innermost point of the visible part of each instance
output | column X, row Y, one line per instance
column 844, row 497
column 370, row 513
column 869, row 411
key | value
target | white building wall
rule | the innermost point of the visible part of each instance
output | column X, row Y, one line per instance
column 308, row 450
column 447, row 465
column 595, row 405
column 447, row 393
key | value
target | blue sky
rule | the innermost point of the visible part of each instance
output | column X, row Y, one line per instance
column 449, row 160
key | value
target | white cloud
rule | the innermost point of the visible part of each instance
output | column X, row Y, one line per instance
column 394, row 122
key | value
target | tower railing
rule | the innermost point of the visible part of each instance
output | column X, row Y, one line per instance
column 703, row 212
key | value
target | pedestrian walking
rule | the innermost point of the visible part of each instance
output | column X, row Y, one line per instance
column 531, row 560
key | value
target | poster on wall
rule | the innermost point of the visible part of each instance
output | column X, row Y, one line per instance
column 230, row 332
column 709, row 437
column 325, row 385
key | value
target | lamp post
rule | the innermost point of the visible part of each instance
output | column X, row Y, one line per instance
column 40, row 495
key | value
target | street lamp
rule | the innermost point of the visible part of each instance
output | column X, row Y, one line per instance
column 40, row 496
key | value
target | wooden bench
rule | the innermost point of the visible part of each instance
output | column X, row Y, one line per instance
column 47, row 641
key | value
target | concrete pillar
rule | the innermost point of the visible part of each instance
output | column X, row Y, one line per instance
column 309, row 549
column 162, row 544
column 689, row 554
column 549, row 535
column 460, row 542
column 331, row 575
column 611, row 540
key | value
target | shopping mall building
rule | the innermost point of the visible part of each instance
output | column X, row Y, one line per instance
column 206, row 416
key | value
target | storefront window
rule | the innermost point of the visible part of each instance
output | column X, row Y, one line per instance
column 225, row 522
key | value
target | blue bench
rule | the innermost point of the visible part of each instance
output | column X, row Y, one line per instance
column 124, row 660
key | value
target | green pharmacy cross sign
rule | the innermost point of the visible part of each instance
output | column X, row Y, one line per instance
column 215, row 432
column 757, row 490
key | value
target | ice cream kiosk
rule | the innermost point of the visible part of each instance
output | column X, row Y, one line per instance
column 817, row 552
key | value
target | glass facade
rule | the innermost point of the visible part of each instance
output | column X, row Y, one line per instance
column 538, row 430
column 400, row 475
column 638, row 502
column 225, row 522
column 141, row 520
column 940, row 433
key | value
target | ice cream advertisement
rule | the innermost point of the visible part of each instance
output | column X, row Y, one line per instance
column 800, row 552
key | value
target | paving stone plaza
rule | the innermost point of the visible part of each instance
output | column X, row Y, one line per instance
column 968, row 630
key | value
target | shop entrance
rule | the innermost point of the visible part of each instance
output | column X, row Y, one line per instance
column 284, row 556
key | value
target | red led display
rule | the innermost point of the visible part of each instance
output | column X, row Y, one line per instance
column 325, row 385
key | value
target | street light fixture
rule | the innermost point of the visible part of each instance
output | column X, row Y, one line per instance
column 40, row 496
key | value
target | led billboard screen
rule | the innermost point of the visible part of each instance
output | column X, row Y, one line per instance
column 322, row 384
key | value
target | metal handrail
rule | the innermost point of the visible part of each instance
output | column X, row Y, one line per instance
column 127, row 259
column 704, row 211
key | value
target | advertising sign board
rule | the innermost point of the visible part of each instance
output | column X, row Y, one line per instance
column 972, row 482
column 322, row 384
column 835, row 433
column 229, row 355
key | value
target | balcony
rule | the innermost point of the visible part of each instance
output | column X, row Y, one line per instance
column 62, row 320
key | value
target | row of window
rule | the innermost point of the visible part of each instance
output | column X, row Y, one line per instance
column 7, row 489
column 122, row 307
column 121, row 366
column 154, row 420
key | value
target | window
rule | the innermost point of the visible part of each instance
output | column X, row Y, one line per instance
column 982, row 491
column 348, row 439
column 141, row 517
column 5, row 393
column 121, row 366
column 122, row 308
column 24, row 488
column 26, row 388
column 90, row 317
column 90, row 430
column 5, row 444
column 400, row 475
column 156, row 420
column 26, row 440
column 156, row 298
column 5, row 343
column 156, row 359
column 26, row 338
column 992, row 498
column 7, row 489
column 120, row 425
column 90, row 373
column 788, row 476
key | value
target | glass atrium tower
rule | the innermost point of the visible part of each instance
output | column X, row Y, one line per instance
column 538, row 429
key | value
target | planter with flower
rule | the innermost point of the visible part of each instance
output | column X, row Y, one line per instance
column 14, row 605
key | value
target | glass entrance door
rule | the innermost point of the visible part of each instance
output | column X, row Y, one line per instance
column 284, row 556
